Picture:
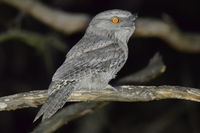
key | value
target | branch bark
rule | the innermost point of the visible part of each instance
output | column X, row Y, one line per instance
column 124, row 94
column 70, row 23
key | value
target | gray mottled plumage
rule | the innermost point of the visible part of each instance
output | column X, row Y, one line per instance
column 93, row 61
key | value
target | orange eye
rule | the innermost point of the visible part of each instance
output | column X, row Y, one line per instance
column 115, row 20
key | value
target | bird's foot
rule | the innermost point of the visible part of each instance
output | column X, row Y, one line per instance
column 111, row 87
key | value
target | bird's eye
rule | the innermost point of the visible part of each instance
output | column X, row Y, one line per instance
column 115, row 20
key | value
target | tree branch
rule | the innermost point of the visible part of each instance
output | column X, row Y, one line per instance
column 70, row 23
column 62, row 21
column 124, row 94
column 170, row 33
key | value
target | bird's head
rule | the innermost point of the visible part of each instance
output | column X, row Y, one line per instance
column 117, row 22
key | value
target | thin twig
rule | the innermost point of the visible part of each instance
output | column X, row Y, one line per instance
column 39, row 42
column 124, row 94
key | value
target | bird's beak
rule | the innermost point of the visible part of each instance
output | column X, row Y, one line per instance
column 133, row 18
column 130, row 22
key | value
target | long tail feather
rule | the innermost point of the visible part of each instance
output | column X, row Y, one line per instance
column 54, row 102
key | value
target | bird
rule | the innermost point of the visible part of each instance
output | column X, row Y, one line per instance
column 93, row 61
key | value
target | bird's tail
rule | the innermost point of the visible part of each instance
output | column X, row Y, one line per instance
column 54, row 102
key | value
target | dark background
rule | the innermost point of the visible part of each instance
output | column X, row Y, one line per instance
column 23, row 68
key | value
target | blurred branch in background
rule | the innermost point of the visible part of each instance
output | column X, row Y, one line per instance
column 70, row 23
column 162, row 122
column 65, row 22
column 66, row 115
column 39, row 42
column 155, row 68
column 35, row 40
column 169, row 32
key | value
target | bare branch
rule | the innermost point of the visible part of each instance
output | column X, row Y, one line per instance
column 61, row 21
column 155, row 68
column 124, row 94
column 66, row 115
column 167, row 31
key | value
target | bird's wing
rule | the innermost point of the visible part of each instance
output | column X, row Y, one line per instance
column 87, row 44
column 94, row 59
column 68, row 76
